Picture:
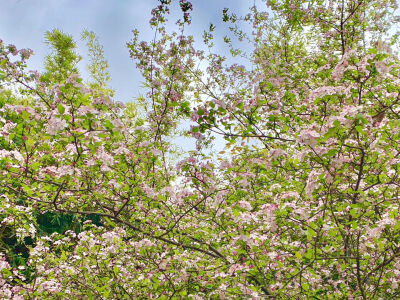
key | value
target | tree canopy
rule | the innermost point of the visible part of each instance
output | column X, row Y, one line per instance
column 303, row 202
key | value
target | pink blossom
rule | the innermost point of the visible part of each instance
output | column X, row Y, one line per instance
column 274, row 153
column 55, row 124
column 121, row 150
column 84, row 110
column 3, row 263
column 104, row 157
column 110, row 236
column 312, row 183
column 308, row 137
column 375, row 232
column 323, row 91
column 65, row 170
column 117, row 123
column 25, row 53
column 290, row 194
column 194, row 117
column 244, row 204
column 51, row 286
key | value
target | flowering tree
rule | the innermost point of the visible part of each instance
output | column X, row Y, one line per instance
column 302, row 204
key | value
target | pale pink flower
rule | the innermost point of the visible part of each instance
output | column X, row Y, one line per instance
column 84, row 110
column 275, row 153
column 3, row 263
column 55, row 124
column 312, row 183
column 117, row 123
column 65, row 170
column 245, row 205
column 104, row 157
column 51, row 286
column 110, row 236
column 323, row 91
column 17, row 156
column 308, row 137
column 7, row 127
column 375, row 232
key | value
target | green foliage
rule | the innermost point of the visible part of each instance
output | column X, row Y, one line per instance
column 302, row 202
column 98, row 66
column 63, row 60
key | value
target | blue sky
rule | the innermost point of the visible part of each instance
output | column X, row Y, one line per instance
column 24, row 23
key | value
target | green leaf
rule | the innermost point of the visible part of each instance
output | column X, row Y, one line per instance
column 61, row 108
column 30, row 142
column 116, row 269
column 353, row 212
column 108, row 125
